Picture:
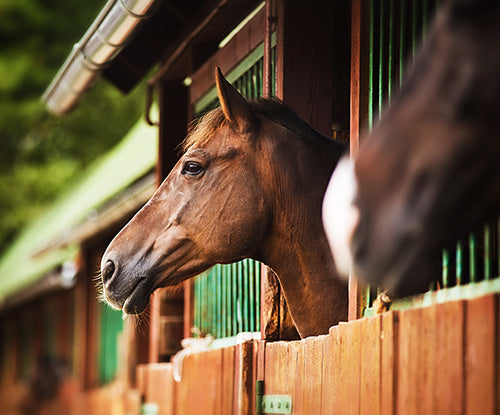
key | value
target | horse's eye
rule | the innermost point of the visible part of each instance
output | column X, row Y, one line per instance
column 192, row 169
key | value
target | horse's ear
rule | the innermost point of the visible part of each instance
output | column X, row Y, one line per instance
column 234, row 106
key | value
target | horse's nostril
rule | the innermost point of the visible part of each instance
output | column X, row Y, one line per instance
column 108, row 270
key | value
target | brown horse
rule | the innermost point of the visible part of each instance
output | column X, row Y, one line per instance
column 429, row 171
column 249, row 185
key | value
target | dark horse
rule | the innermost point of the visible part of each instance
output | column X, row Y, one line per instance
column 429, row 171
column 250, row 184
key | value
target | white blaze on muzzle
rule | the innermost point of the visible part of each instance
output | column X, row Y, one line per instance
column 340, row 216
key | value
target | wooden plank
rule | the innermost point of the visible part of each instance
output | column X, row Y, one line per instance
column 227, row 386
column 313, row 374
column 427, row 362
column 480, row 363
column 299, row 66
column 449, row 391
column 242, row 403
column 184, row 386
column 298, row 350
column 247, row 39
column 370, row 366
column 389, row 339
column 261, row 359
column 270, row 27
column 141, row 379
column 161, row 387
column 331, row 364
column 270, row 367
column 343, row 369
column 352, row 353
column 405, row 383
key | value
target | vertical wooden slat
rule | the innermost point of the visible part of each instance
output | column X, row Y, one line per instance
column 160, row 387
column 298, row 352
column 389, row 339
column 480, row 355
column 227, row 380
column 370, row 366
column 313, row 374
column 352, row 359
column 341, row 378
column 331, row 364
column 243, row 387
column 449, row 390
column 428, row 364
column 407, row 403
column 359, row 111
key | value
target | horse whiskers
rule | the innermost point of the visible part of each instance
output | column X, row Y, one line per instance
column 99, row 287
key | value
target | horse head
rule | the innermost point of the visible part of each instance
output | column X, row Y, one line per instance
column 249, row 185
column 428, row 172
column 210, row 209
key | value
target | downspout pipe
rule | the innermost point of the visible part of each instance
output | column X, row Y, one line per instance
column 102, row 42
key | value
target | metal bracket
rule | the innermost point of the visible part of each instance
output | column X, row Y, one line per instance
column 271, row 404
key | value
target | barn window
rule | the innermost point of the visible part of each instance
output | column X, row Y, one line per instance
column 227, row 297
column 395, row 32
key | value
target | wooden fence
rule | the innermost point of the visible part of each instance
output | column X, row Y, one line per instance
column 433, row 360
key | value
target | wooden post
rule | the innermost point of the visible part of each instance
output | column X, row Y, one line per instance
column 174, row 104
column 359, row 114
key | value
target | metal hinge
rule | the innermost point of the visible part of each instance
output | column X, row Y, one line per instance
column 271, row 404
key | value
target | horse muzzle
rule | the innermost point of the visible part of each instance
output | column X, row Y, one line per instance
column 125, row 291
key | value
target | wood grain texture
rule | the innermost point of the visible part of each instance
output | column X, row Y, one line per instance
column 480, row 355
column 449, row 391
column 370, row 366
column 389, row 342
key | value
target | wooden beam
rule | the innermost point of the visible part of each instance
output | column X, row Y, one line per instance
column 359, row 115
column 174, row 107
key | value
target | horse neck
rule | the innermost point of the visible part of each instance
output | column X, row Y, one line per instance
column 297, row 248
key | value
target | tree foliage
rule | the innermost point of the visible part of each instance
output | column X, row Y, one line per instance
column 40, row 154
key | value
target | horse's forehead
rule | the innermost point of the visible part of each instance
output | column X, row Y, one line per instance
column 219, row 141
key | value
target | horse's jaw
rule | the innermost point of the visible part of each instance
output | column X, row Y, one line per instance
column 340, row 216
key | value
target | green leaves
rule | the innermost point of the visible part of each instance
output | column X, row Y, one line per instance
column 41, row 154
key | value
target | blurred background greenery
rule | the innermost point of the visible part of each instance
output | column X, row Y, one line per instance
column 41, row 154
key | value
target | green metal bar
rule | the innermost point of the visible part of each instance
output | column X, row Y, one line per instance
column 425, row 15
column 218, row 299
column 258, row 268
column 391, row 45
column 251, row 297
column 222, row 295
column 458, row 263
column 472, row 257
column 196, row 305
column 414, row 30
column 402, row 40
column 213, row 296
column 231, row 309
column 234, row 300
column 240, row 298
column 446, row 264
column 207, row 317
column 370, row 65
column 381, row 60
column 487, row 252
column 246, row 295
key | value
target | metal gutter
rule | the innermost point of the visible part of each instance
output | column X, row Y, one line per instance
column 102, row 42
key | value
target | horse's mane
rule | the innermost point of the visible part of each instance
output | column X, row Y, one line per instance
column 202, row 129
